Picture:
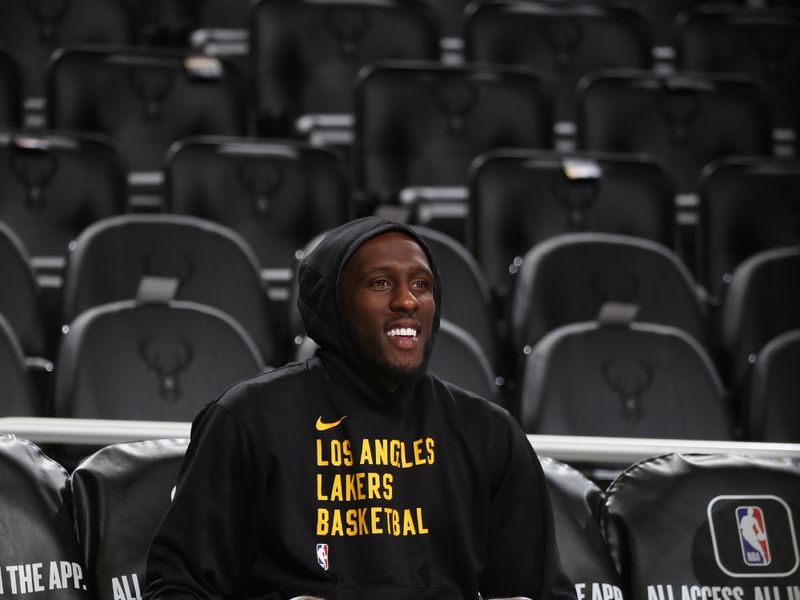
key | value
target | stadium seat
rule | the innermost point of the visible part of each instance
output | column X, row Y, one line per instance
column 120, row 495
column 39, row 551
column 682, row 120
column 747, row 205
column 276, row 194
column 305, row 54
column 32, row 31
column 212, row 263
column 173, row 22
column 150, row 360
column 144, row 99
column 626, row 379
column 568, row 278
column 519, row 198
column 577, row 502
column 560, row 41
column 764, row 44
column 700, row 526
column 10, row 90
column 19, row 397
column 20, row 296
column 55, row 185
column 420, row 125
column 661, row 16
column 772, row 412
column 761, row 302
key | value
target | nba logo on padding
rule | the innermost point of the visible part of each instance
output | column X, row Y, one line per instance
column 753, row 536
column 322, row 555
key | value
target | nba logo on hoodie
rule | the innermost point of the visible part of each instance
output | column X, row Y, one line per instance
column 753, row 535
column 322, row 555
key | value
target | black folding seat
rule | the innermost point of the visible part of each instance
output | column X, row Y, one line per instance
column 700, row 526
column 144, row 99
column 764, row 44
column 19, row 397
column 120, row 495
column 466, row 302
column 761, row 302
column 212, row 264
column 747, row 205
column 20, row 296
column 160, row 361
column 276, row 194
column 173, row 22
column 568, row 278
column 305, row 54
column 33, row 30
column 10, row 90
column 39, row 552
column 420, row 125
column 55, row 185
column 519, row 198
column 561, row 42
column 772, row 412
column 613, row 377
column 577, row 502
column 684, row 121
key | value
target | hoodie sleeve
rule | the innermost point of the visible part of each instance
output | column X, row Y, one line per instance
column 209, row 537
column 522, row 557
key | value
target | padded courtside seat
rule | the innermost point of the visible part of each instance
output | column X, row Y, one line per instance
column 144, row 99
column 628, row 380
column 276, row 194
column 568, row 278
column 10, row 90
column 55, row 185
column 747, row 205
column 19, row 396
column 700, row 526
column 519, row 198
column 213, row 265
column 772, row 411
column 577, row 502
column 120, row 495
column 38, row 549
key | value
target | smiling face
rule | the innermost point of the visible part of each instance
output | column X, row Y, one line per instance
column 388, row 307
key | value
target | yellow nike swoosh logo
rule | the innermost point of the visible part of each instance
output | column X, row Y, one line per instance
column 322, row 426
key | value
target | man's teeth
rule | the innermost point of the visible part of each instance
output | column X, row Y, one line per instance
column 406, row 331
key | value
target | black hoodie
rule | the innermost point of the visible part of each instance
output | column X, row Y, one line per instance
column 313, row 479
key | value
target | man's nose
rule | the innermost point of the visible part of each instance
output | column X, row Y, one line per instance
column 404, row 299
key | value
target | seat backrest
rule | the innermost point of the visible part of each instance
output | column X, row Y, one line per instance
column 772, row 412
column 637, row 380
column 172, row 22
column 519, row 198
column 747, row 205
column 568, row 278
column 466, row 301
column 213, row 265
column 276, row 195
column 762, row 43
column 694, row 526
column 120, row 496
column 19, row 396
column 577, row 502
column 39, row 551
column 10, row 90
column 32, row 31
column 761, row 302
column 144, row 99
column 662, row 14
column 305, row 54
column 421, row 124
column 159, row 362
column 571, row 40
column 56, row 185
column 683, row 120
column 20, row 296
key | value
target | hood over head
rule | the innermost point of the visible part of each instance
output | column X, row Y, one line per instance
column 320, row 280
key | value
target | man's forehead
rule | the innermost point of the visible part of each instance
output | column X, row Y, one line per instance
column 390, row 246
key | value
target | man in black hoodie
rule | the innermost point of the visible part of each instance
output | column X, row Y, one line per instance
column 358, row 474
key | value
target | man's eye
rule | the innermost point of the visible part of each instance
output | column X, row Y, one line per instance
column 380, row 283
column 421, row 284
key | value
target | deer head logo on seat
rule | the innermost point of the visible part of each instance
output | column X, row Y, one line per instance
column 35, row 170
column 628, row 385
column 455, row 99
column 576, row 197
column 47, row 14
column 263, row 181
column 151, row 85
column 167, row 361
column 680, row 108
column 562, row 36
column 347, row 27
